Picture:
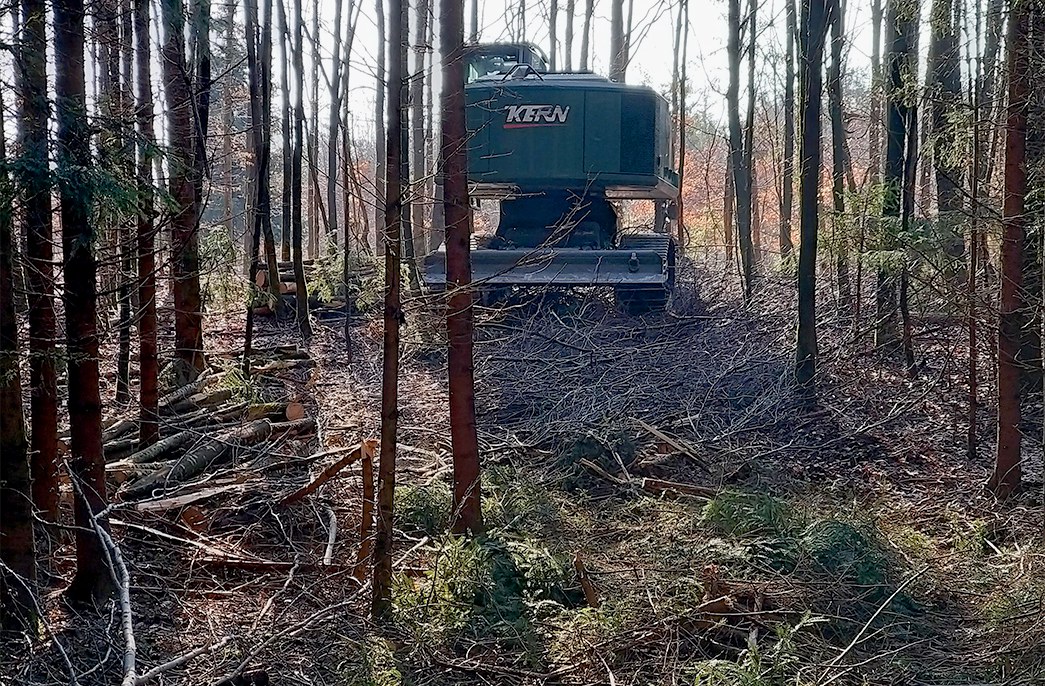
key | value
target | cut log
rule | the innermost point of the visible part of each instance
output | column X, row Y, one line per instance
column 160, row 448
column 118, row 429
column 185, row 391
column 364, row 450
column 277, row 412
column 118, row 449
column 213, row 450
column 198, row 401
column 298, row 427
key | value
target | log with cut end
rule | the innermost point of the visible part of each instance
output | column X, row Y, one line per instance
column 161, row 448
column 212, row 451
column 277, row 412
column 187, row 390
column 298, row 427
column 198, row 401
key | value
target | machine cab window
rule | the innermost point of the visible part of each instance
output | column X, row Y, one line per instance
column 498, row 60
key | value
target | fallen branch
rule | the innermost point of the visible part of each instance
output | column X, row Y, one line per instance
column 298, row 427
column 364, row 449
column 179, row 661
column 198, row 401
column 328, row 555
column 188, row 389
column 661, row 487
column 675, row 443
column 155, row 451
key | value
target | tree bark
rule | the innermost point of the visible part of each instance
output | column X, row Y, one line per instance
column 286, row 114
column 1006, row 479
column 18, row 552
column 787, row 248
column 811, row 50
column 333, row 124
column 381, row 601
column 467, row 497
column 92, row 580
column 148, row 429
column 945, row 96
column 617, row 50
column 589, row 10
column 35, row 189
column 553, row 33
column 741, row 173
column 188, row 318
column 875, row 128
column 836, row 11
column 380, row 153
column 567, row 46
column 474, row 33
column 417, row 104
column 301, row 298
column 902, row 28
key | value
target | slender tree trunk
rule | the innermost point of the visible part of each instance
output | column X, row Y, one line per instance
column 407, row 226
column 18, row 552
column 553, row 34
column 749, row 138
column 92, row 580
column 286, row 112
column 261, row 128
column 836, row 11
column 875, row 128
column 474, row 22
column 333, row 123
column 35, row 186
column 741, row 173
column 467, row 499
column 728, row 203
column 589, row 10
column 148, row 427
column 972, row 436
column 681, row 235
column 567, row 46
column 380, row 154
column 787, row 248
column 188, row 319
column 312, row 145
column 382, row 580
column 617, row 50
column 417, row 85
column 902, row 27
column 301, row 296
column 226, row 122
column 811, row 50
column 1006, row 479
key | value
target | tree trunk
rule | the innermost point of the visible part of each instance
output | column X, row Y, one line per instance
column 382, row 580
column 902, row 28
column 728, row 202
column 18, row 552
column 681, row 235
column 589, row 10
column 188, row 319
column 35, row 189
column 811, row 50
column 407, row 225
column 286, row 112
column 474, row 33
column 417, row 104
column 617, row 53
column 567, row 46
column 92, row 580
column 333, row 124
column 553, row 33
column 226, row 122
column 148, row 429
column 312, row 145
column 836, row 10
column 741, row 173
column 875, row 128
column 380, row 153
column 787, row 248
column 301, row 297
column 467, row 498
column 749, row 138
column 1006, row 479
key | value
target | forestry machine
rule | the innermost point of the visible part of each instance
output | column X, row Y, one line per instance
column 556, row 149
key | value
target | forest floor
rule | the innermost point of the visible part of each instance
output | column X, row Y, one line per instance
column 661, row 508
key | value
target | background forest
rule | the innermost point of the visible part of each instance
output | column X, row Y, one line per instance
column 243, row 441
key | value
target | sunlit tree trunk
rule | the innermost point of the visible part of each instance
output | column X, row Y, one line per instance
column 301, row 292
column 617, row 49
column 92, row 580
column 417, row 105
column 1006, row 478
column 788, row 190
column 381, row 601
column 148, row 428
column 836, row 10
column 188, row 319
column 380, row 154
column 467, row 498
column 35, row 190
column 737, row 150
column 553, row 33
column 875, row 126
column 810, row 58
column 567, row 46
column 333, row 122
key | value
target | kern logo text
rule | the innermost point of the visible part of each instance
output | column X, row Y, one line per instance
column 521, row 116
